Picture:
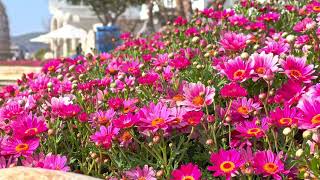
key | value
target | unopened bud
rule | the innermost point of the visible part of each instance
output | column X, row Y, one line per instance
column 244, row 55
column 306, row 134
column 286, row 131
column 209, row 142
column 51, row 132
column 299, row 152
column 160, row 173
column 156, row 139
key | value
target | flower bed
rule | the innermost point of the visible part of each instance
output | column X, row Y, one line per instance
column 231, row 93
column 22, row 63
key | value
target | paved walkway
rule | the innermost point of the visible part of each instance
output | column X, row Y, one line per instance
column 9, row 74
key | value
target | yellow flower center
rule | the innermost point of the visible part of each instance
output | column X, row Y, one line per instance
column 254, row 131
column 198, row 101
column 176, row 121
column 22, row 147
column 260, row 70
column 270, row 168
column 285, row 121
column 316, row 119
column 142, row 178
column 316, row 8
column 51, row 68
column 126, row 110
column 103, row 120
column 239, row 74
column 157, row 122
column 178, row 97
column 295, row 74
column 31, row 131
column 126, row 136
column 188, row 178
column 243, row 110
column 227, row 166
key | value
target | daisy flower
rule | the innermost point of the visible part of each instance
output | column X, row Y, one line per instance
column 237, row 70
column 18, row 147
column 252, row 129
column 28, row 126
column 310, row 109
column 105, row 136
column 297, row 69
column 244, row 106
column 226, row 163
column 193, row 118
column 284, row 117
column 233, row 90
column 56, row 162
column 145, row 173
column 102, row 117
column 231, row 41
column 197, row 95
column 263, row 64
column 126, row 121
column 154, row 117
column 186, row 172
column 267, row 163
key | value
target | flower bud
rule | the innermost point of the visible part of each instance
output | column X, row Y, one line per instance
column 244, row 55
column 72, row 67
column 156, row 139
column 49, row 84
column 286, row 131
column 159, row 173
column 209, row 142
column 195, row 39
column 306, row 134
column 299, row 152
column 290, row 38
column 60, row 77
column 228, row 119
column 262, row 96
column 93, row 155
column 51, row 132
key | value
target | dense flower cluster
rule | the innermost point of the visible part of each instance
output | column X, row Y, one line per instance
column 229, row 93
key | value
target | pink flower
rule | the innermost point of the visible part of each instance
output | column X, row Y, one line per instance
column 297, row 69
column 231, row 41
column 56, row 162
column 149, row 79
column 126, row 121
column 252, row 129
column 51, row 66
column 289, row 93
column 244, row 106
column 180, row 62
column 36, row 160
column 154, row 117
column 7, row 163
column 28, row 126
column 237, row 70
column 304, row 25
column 314, row 6
column 115, row 103
column 105, row 136
column 180, row 21
column 310, row 109
column 193, row 118
column 284, row 117
column 18, row 147
column 102, row 117
column 270, row 16
column 11, row 111
column 233, row 90
column 238, row 20
column 187, row 172
column 226, row 163
column 276, row 47
column 268, row 164
column 197, row 95
column 145, row 173
column 263, row 64
column 176, row 117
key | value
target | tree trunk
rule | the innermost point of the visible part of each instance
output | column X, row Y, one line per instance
column 180, row 9
column 187, row 4
column 162, row 11
column 150, row 23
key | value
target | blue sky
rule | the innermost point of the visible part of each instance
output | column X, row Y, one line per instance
column 27, row 16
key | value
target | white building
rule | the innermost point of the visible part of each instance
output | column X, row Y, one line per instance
column 82, row 17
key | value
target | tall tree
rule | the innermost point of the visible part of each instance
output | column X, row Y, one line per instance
column 108, row 11
column 180, row 8
column 150, row 24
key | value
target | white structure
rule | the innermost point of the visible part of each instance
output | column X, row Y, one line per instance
column 82, row 17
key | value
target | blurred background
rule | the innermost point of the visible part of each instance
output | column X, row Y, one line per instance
column 36, row 30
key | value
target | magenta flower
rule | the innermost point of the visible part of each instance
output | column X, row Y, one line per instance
column 231, row 41
column 238, row 20
column 126, row 121
column 297, row 69
column 284, row 117
column 28, row 126
column 310, row 109
column 233, row 90
column 180, row 62
column 289, row 93
column 56, row 162
column 36, row 160
column 226, row 163
column 105, row 136
column 197, row 95
column 102, row 117
column 304, row 25
column 263, row 64
column 252, row 129
column 18, row 147
column 244, row 107
column 11, row 111
column 237, row 70
column 115, row 103
column 154, row 117
column 270, row 16
column 276, row 47
column 187, row 172
column 268, row 164
column 7, row 163
column 193, row 118
column 176, row 117
column 314, row 6
column 149, row 79
column 51, row 66
column 145, row 173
